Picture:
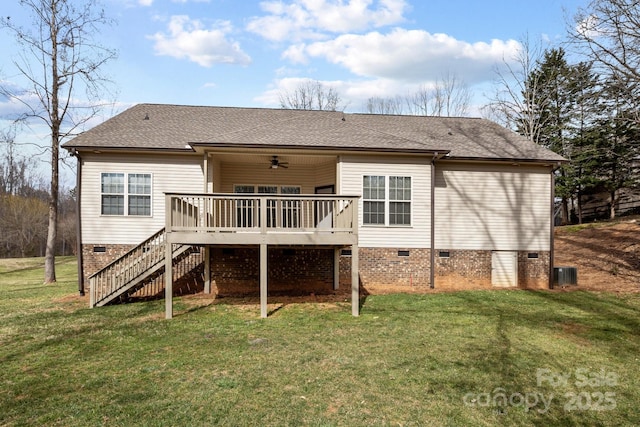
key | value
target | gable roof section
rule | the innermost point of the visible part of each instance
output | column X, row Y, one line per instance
column 176, row 127
column 463, row 137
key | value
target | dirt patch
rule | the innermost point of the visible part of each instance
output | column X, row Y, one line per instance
column 607, row 255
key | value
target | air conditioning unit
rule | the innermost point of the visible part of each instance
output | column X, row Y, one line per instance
column 563, row 276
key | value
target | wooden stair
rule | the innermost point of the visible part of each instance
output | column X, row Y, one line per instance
column 133, row 270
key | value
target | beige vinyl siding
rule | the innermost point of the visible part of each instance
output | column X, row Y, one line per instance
column 259, row 174
column 217, row 175
column 326, row 174
column 352, row 170
column 169, row 173
column 492, row 207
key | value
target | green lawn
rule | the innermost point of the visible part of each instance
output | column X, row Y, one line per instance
column 559, row 358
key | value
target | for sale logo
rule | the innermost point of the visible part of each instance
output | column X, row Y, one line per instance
column 595, row 392
column 596, row 388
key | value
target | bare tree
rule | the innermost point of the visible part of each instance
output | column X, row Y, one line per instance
column 17, row 171
column 390, row 105
column 60, row 61
column 608, row 32
column 452, row 96
column 311, row 95
column 420, row 102
column 516, row 101
column 23, row 223
column 449, row 96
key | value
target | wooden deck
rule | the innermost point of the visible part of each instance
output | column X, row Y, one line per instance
column 232, row 219
column 262, row 220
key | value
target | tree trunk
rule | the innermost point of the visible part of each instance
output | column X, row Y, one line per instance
column 54, row 115
column 52, row 233
column 579, row 207
column 565, row 211
column 612, row 211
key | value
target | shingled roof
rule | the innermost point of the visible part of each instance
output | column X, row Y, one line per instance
column 175, row 127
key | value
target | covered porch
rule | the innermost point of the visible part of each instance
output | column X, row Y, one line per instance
column 263, row 221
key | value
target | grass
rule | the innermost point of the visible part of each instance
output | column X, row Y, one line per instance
column 436, row 359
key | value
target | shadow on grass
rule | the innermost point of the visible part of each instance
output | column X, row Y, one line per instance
column 609, row 307
column 21, row 270
column 598, row 321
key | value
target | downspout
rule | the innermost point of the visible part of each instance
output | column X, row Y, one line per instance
column 75, row 153
column 552, row 225
column 432, row 252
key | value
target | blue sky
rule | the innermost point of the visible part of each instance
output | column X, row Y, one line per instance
column 244, row 53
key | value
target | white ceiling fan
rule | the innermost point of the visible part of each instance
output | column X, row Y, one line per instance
column 275, row 163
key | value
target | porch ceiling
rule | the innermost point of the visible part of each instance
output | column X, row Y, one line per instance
column 264, row 158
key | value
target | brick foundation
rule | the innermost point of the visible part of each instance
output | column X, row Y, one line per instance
column 466, row 269
column 299, row 271
column 93, row 261
column 389, row 267
column 462, row 269
column 291, row 271
column 533, row 273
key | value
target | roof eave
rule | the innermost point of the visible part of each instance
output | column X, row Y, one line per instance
column 506, row 160
column 112, row 148
column 321, row 147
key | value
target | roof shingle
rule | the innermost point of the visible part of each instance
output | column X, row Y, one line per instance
column 159, row 126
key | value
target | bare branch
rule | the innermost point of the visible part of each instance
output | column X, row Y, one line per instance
column 61, row 62
column 311, row 95
column 608, row 33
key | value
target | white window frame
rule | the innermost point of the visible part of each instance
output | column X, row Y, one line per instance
column 376, row 200
column 403, row 201
column 291, row 212
column 255, row 188
column 125, row 194
column 387, row 201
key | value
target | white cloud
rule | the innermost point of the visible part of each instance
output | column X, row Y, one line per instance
column 296, row 53
column 145, row 2
column 588, row 27
column 409, row 55
column 188, row 38
column 313, row 19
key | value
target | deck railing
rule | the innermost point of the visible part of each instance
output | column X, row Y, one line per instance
column 261, row 213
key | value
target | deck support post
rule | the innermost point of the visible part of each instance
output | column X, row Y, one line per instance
column 207, row 269
column 263, row 280
column 336, row 268
column 168, row 286
column 355, row 282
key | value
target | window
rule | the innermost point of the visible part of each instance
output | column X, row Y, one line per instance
column 386, row 208
column 245, row 212
column 399, row 200
column 271, row 204
column 280, row 213
column 373, row 194
column 134, row 198
column 291, row 209
column 112, row 194
column 139, row 194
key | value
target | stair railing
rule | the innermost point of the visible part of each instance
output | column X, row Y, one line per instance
column 119, row 273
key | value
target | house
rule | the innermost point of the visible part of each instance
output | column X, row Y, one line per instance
column 293, row 200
